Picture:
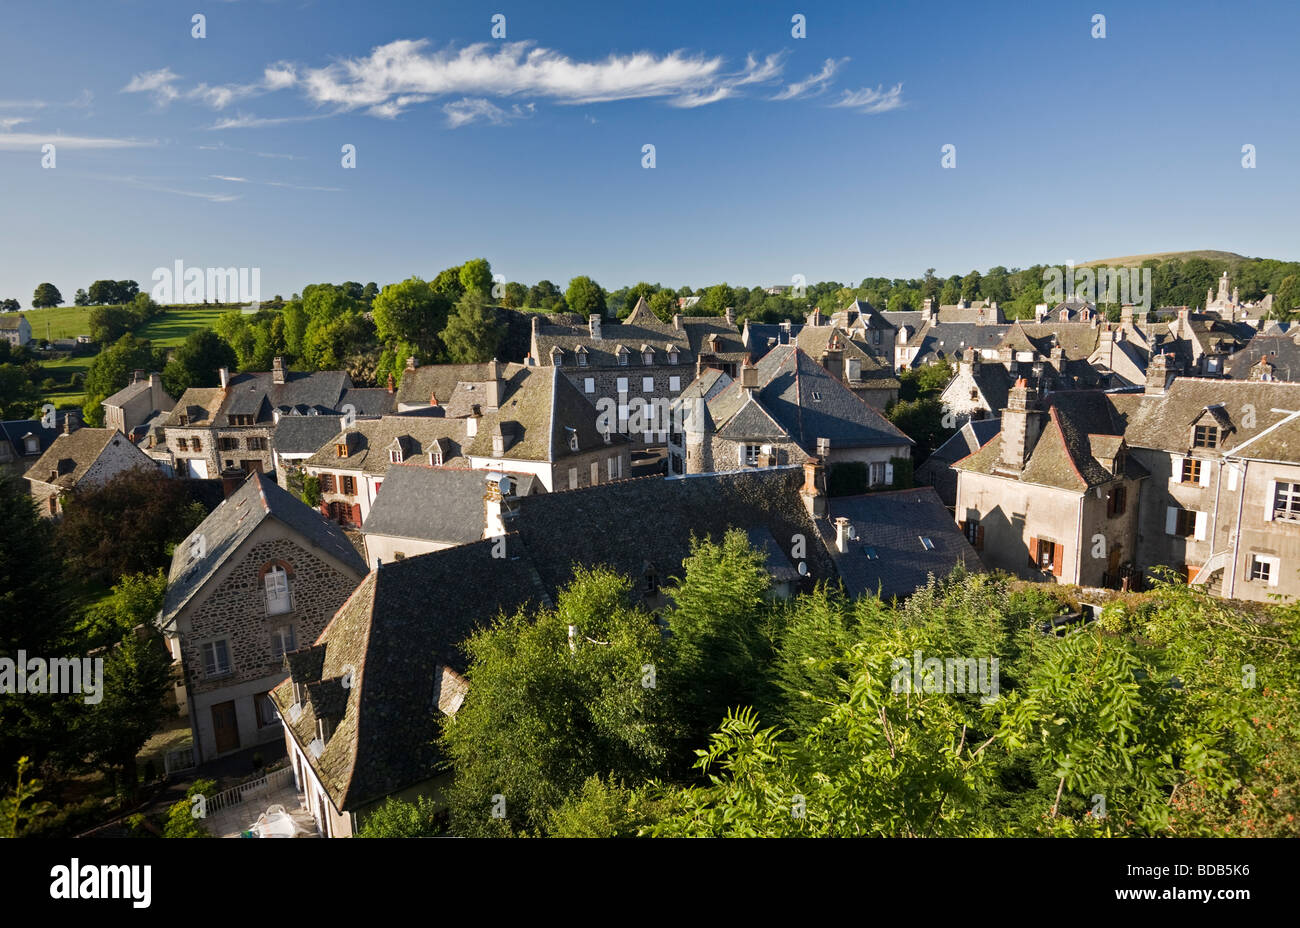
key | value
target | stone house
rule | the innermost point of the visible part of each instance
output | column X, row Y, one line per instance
column 352, row 464
column 136, row 404
column 854, row 361
column 937, row 470
column 15, row 329
column 23, row 441
column 259, row 578
column 78, row 459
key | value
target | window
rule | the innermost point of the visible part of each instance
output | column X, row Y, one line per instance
column 573, row 478
column 1117, row 502
column 871, row 554
column 395, row 456
column 1181, row 522
column 182, row 444
column 582, row 360
column 877, row 475
column 216, row 658
column 1046, row 554
column 589, row 384
column 622, row 359
column 349, row 486
column 266, row 714
column 648, row 358
column 228, row 444
column 973, row 531
column 672, row 356
column 378, row 484
column 1264, row 569
column 341, row 449
column 817, row 397
column 573, row 439
column 1191, row 470
column 674, row 384
column 276, row 581
column 647, row 385
column 256, row 444
column 1205, row 436
column 183, row 419
column 435, row 457
column 196, row 444
column 751, row 453
column 622, row 385
column 327, row 483
column 926, row 542
column 1286, row 500
column 283, row 640
column 595, row 473
column 611, row 468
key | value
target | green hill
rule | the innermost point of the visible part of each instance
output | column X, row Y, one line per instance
column 1231, row 257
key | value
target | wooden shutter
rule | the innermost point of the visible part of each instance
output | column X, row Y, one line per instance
column 327, row 482
column 356, row 514
column 1269, row 501
column 979, row 538
column 1033, row 551
column 1058, row 559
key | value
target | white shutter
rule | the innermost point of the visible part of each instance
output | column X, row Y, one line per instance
column 1176, row 473
column 889, row 472
column 1205, row 473
column 1275, row 571
column 1200, row 526
column 1171, row 520
column 741, row 449
column 1232, row 476
column 1268, row 500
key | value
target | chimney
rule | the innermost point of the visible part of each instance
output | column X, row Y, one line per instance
column 748, row 377
column 593, row 322
column 231, row 480
column 137, row 376
column 1126, row 314
column 499, row 513
column 277, row 370
column 813, row 490
column 411, row 363
column 677, row 322
column 970, row 359
column 932, row 313
column 224, row 374
column 1159, row 375
column 496, row 385
column 70, row 423
column 730, row 315
column 392, row 385
column 471, row 421
column 843, row 534
column 1022, row 423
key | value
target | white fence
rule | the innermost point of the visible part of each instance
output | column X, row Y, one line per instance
column 262, row 786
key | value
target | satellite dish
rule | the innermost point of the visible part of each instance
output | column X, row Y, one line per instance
column 803, row 568
column 504, row 484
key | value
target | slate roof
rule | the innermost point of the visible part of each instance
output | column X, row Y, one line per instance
column 440, row 380
column 15, row 430
column 1164, row 422
column 981, row 313
column 370, row 440
column 808, row 402
column 435, row 503
column 878, row 371
column 1279, row 443
column 1078, row 340
column 257, row 395
column 947, row 341
column 11, row 320
column 72, row 455
column 230, row 524
column 127, row 393
column 1078, row 429
column 892, row 524
column 761, row 337
column 540, row 408
column 641, row 327
column 369, row 402
column 969, row 438
column 1282, row 352
column 404, row 622
column 305, row 434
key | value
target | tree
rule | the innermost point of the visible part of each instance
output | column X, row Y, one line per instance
column 476, row 275
column 109, row 323
column 970, row 285
column 198, row 361
column 448, row 283
column 136, row 599
column 664, row 305
column 950, row 293
column 368, row 292
column 181, row 819
column 716, row 300
column 397, row 818
column 550, row 709
column 922, row 420
column 515, row 296
column 472, row 333
column 19, row 396
column 14, row 818
column 111, row 370
column 46, row 295
column 585, row 297
column 543, row 295
column 10, row 306
column 80, row 298
column 411, row 312
column 1286, row 302
column 126, row 525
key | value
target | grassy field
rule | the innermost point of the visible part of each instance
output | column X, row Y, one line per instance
column 1136, row 260
column 166, row 331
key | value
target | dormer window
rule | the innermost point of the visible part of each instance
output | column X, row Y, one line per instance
column 557, row 357
column 31, row 444
column 622, row 356
column 183, row 419
column 582, row 357
column 648, row 357
column 435, row 457
column 341, row 449
column 573, row 438
column 395, row 456
column 1205, row 436
column 1065, row 315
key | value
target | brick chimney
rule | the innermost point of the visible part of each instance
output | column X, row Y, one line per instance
column 392, row 384
column 1022, row 424
column 277, row 370
column 1159, row 375
column 813, row 491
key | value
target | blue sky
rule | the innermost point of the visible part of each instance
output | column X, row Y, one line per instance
column 774, row 155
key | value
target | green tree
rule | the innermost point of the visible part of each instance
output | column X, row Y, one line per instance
column 19, row 395
column 1286, row 301
column 46, row 295
column 198, row 361
column 970, row 286
column 585, row 297
column 476, row 275
column 716, row 300
column 397, row 818
column 81, row 298
column 111, row 370
column 448, row 283
column 515, row 296
column 14, row 818
column 472, row 332
column 136, row 600
column 182, row 822
column 552, row 707
column 664, row 304
column 411, row 312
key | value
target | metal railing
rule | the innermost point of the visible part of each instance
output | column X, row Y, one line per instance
column 262, row 786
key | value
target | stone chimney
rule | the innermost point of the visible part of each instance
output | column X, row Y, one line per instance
column 1022, row 424
column 496, row 385
column 813, row 491
column 749, row 377
column 677, row 322
column 1159, row 375
column 843, row 535
column 970, row 359
column 1184, row 320
column 730, row 315
column 471, row 421
column 593, row 322
column 224, row 374
column 71, row 422
column 932, row 312
column 277, row 370
column 137, row 376
column 498, row 504
column 411, row 363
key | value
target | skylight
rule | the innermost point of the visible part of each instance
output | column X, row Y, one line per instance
column 871, row 554
column 926, row 543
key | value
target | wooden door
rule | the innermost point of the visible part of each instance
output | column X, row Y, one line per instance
column 224, row 727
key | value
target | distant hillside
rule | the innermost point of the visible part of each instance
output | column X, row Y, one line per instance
column 1231, row 257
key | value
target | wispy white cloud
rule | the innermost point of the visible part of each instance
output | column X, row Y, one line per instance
column 19, row 141
column 276, row 183
column 243, row 121
column 871, row 101
column 813, row 84
column 222, row 146
column 164, row 188
column 227, row 177
column 464, row 112
column 159, row 84
column 8, row 122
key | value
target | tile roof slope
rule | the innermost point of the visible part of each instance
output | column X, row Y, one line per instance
column 763, row 336
column 1282, row 351
column 651, row 519
column 200, row 404
column 892, row 523
column 440, row 380
column 127, row 393
column 789, row 385
column 368, row 401
column 227, row 527
column 945, row 341
column 15, row 430
column 816, row 339
column 256, row 393
column 305, row 434
column 434, row 503
column 83, row 447
column 373, row 439
column 640, row 327
column 392, row 634
column 969, row 438
column 541, row 405
column 1164, row 422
